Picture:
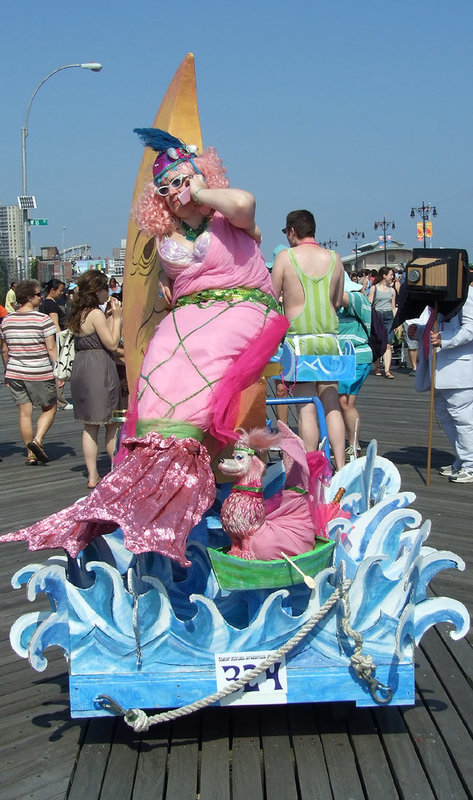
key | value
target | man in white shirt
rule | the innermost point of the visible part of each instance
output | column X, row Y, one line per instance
column 453, row 383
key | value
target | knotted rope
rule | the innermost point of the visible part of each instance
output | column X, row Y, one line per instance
column 362, row 664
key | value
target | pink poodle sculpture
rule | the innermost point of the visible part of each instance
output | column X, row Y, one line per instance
column 261, row 529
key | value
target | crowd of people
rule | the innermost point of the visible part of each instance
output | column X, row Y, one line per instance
column 308, row 298
column 34, row 315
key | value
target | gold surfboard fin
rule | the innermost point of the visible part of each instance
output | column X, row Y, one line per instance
column 143, row 309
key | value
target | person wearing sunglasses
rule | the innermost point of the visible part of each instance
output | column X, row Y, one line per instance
column 29, row 354
column 309, row 279
column 223, row 326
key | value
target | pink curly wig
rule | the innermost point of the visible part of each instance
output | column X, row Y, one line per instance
column 151, row 213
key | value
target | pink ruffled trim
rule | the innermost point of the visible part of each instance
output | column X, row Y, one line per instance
column 245, row 370
column 156, row 495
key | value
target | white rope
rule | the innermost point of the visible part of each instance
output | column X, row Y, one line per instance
column 362, row 664
column 137, row 719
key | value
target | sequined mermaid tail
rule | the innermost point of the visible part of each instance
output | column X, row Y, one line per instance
column 156, row 495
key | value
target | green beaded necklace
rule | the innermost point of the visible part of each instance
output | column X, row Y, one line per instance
column 192, row 233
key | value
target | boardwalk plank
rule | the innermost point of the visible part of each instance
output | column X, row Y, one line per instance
column 34, row 755
column 215, row 755
column 408, row 773
column 150, row 778
column 40, row 784
column 432, row 752
column 455, row 683
column 246, row 755
column 183, row 759
column 454, row 733
column 370, row 757
column 93, row 759
column 339, row 755
column 312, row 775
column 277, row 754
column 121, row 766
column 461, row 651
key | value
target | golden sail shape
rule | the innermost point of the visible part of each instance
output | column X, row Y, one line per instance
column 143, row 309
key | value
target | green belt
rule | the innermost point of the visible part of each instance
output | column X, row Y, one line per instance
column 239, row 294
column 237, row 487
column 181, row 430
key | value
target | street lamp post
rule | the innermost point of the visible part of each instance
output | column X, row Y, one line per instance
column 355, row 235
column 329, row 244
column 424, row 211
column 385, row 224
column 94, row 67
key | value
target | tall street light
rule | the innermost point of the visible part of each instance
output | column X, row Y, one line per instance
column 329, row 245
column 385, row 224
column 424, row 211
column 355, row 235
column 25, row 201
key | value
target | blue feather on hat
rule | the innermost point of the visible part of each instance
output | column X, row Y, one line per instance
column 158, row 139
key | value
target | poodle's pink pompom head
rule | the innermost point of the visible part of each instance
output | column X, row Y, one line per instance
column 258, row 439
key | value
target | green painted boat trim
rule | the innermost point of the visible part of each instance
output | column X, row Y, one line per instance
column 238, row 573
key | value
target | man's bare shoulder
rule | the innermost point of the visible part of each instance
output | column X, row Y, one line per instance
column 314, row 261
column 282, row 258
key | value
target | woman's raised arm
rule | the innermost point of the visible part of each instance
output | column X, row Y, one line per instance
column 237, row 205
column 109, row 332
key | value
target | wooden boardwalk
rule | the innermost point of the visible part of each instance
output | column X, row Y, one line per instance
column 299, row 752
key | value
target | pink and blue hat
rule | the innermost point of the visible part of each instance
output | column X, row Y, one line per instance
column 171, row 151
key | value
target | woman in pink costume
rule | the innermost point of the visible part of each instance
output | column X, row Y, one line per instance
column 223, row 327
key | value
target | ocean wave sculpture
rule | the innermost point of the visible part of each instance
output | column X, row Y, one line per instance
column 148, row 631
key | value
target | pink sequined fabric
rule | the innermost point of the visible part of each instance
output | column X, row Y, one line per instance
column 156, row 495
column 198, row 362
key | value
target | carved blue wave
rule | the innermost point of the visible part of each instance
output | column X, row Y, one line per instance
column 112, row 611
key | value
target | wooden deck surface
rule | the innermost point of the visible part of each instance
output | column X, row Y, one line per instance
column 299, row 752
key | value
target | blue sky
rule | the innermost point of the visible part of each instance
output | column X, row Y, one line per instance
column 353, row 110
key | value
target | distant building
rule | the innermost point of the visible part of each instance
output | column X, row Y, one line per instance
column 49, row 254
column 371, row 256
column 117, row 263
column 11, row 239
column 51, row 264
column 82, row 265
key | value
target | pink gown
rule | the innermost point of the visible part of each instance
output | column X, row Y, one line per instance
column 199, row 360
column 188, row 371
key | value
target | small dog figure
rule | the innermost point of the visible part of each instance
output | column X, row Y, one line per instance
column 260, row 529
column 244, row 512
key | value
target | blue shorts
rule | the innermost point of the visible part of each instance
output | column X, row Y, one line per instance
column 362, row 372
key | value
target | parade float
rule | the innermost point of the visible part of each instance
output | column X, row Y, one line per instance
column 234, row 623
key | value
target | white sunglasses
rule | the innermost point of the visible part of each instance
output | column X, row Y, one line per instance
column 176, row 183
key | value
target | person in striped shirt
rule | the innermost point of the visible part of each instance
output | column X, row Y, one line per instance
column 29, row 354
column 310, row 281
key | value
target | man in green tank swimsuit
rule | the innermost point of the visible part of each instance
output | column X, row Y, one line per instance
column 309, row 280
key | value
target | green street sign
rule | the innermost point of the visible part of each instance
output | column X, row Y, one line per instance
column 38, row 221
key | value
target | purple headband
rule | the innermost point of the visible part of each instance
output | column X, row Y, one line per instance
column 169, row 159
column 171, row 151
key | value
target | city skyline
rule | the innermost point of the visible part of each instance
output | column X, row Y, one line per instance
column 354, row 112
